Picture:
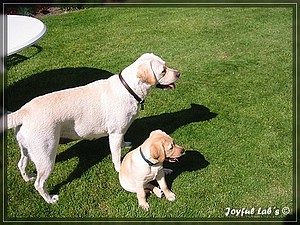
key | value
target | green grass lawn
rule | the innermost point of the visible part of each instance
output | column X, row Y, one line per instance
column 231, row 110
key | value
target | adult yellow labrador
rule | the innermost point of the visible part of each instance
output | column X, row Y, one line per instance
column 102, row 108
column 145, row 164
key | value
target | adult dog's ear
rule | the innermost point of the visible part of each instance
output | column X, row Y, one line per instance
column 157, row 69
column 145, row 74
column 157, row 151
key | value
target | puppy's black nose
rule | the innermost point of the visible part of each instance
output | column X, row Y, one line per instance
column 182, row 151
column 177, row 74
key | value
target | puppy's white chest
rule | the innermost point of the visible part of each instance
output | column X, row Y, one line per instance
column 154, row 172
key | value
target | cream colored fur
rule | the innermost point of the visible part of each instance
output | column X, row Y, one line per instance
column 102, row 108
column 136, row 173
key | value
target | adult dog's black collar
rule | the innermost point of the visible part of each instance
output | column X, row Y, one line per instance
column 141, row 101
column 146, row 160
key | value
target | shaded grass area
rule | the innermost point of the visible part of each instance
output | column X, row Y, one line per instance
column 232, row 110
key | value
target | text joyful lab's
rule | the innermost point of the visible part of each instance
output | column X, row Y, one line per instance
column 252, row 211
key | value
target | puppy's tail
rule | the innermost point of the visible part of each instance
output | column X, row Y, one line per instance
column 15, row 119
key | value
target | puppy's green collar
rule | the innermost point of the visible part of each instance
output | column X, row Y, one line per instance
column 147, row 160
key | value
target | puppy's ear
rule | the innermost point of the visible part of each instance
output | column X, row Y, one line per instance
column 145, row 74
column 156, row 132
column 157, row 151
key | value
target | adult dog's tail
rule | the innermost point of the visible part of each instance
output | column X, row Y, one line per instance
column 15, row 119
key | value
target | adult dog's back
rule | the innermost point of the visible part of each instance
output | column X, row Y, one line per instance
column 102, row 108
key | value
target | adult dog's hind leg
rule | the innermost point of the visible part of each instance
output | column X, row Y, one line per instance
column 24, row 157
column 22, row 166
column 44, row 169
column 43, row 154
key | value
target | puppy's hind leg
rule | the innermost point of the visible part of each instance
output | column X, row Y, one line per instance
column 153, row 189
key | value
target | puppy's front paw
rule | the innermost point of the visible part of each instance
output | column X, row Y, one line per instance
column 145, row 206
column 171, row 197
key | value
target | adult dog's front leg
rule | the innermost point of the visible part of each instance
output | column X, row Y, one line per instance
column 115, row 144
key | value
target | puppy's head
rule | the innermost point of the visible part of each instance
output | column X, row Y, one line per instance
column 153, row 70
column 163, row 147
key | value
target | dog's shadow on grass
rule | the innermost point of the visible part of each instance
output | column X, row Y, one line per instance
column 45, row 82
column 140, row 129
column 90, row 153
column 191, row 161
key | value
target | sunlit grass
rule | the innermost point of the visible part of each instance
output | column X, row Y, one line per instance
column 235, row 62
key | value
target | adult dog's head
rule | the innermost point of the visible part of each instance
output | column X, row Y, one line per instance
column 162, row 147
column 152, row 70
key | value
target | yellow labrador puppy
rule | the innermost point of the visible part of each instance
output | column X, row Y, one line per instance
column 102, row 108
column 145, row 164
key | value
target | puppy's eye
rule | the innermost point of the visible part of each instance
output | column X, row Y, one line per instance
column 171, row 147
column 164, row 71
